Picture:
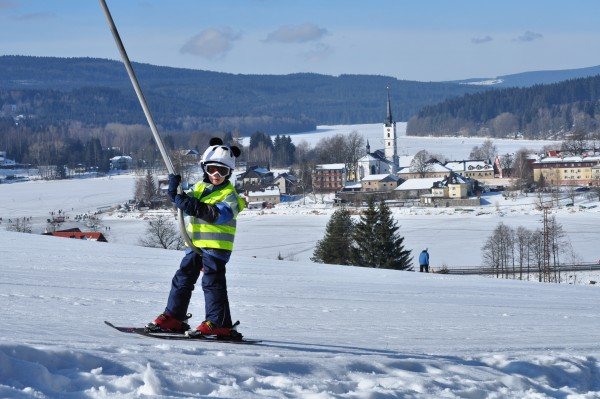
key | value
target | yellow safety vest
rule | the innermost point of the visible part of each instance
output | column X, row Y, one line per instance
column 208, row 235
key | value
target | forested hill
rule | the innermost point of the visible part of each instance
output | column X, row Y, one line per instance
column 98, row 91
column 541, row 111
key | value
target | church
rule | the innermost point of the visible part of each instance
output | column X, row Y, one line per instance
column 382, row 161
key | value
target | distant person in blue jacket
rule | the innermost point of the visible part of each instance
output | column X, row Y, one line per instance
column 424, row 261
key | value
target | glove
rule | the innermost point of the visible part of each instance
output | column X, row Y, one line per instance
column 174, row 181
column 193, row 207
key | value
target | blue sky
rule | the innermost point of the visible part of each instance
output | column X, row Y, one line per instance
column 428, row 40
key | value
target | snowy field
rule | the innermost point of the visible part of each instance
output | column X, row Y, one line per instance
column 328, row 331
column 454, row 236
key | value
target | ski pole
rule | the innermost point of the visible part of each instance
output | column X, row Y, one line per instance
column 144, row 104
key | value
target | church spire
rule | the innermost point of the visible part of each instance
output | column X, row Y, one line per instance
column 389, row 120
column 368, row 147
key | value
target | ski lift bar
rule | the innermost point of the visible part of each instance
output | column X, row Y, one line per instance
column 144, row 104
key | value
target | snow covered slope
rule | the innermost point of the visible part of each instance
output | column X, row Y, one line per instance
column 329, row 331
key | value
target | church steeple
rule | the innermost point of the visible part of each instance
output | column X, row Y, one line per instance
column 389, row 120
column 389, row 136
column 368, row 148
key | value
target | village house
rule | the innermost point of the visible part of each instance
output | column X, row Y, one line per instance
column 121, row 162
column 190, row 156
column 263, row 198
column 255, row 177
column 472, row 169
column 5, row 162
column 567, row 171
column 329, row 177
column 286, row 182
column 452, row 191
column 434, row 169
column 414, row 188
column 383, row 182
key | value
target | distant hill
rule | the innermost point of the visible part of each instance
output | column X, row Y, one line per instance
column 528, row 79
column 541, row 111
column 97, row 91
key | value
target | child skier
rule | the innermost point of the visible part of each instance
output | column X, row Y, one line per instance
column 213, row 205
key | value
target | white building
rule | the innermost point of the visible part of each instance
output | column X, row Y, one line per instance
column 386, row 160
column 260, row 198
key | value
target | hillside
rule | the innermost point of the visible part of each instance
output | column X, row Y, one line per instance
column 98, row 91
column 531, row 78
column 543, row 111
column 328, row 331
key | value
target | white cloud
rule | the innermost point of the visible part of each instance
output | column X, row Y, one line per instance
column 297, row 34
column 480, row 40
column 211, row 43
column 528, row 36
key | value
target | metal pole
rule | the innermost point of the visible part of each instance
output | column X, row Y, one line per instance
column 144, row 104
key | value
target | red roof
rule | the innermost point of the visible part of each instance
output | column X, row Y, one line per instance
column 82, row 235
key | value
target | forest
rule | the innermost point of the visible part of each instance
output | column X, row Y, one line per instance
column 551, row 111
column 97, row 91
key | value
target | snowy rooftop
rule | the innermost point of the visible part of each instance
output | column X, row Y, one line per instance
column 380, row 177
column 434, row 167
column 331, row 166
column 261, row 193
column 418, row 184
column 468, row 165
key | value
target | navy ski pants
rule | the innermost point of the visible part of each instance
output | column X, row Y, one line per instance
column 214, row 285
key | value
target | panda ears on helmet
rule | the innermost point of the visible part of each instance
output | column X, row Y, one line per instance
column 234, row 149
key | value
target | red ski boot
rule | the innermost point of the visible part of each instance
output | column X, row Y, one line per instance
column 167, row 323
column 209, row 328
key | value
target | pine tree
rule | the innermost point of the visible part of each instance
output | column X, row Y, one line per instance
column 335, row 246
column 364, row 249
column 377, row 241
column 390, row 244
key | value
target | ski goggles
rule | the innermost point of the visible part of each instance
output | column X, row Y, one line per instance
column 220, row 170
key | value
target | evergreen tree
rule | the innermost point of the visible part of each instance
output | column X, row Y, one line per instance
column 377, row 242
column 390, row 244
column 335, row 246
column 364, row 251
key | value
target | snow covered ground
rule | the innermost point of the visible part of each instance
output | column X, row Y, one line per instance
column 328, row 331
column 454, row 236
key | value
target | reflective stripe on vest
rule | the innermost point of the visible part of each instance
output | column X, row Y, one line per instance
column 220, row 236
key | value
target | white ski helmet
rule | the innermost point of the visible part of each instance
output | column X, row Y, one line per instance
column 219, row 153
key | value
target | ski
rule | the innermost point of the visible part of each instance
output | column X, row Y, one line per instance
column 180, row 336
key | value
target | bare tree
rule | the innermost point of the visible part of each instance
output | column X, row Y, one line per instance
column 183, row 164
column 576, row 144
column 521, row 169
column 504, row 124
column 19, row 225
column 420, row 163
column 522, row 242
column 486, row 152
column 161, row 232
column 498, row 250
column 506, row 163
column 354, row 149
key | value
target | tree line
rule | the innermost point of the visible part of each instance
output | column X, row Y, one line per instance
column 96, row 91
column 542, row 112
